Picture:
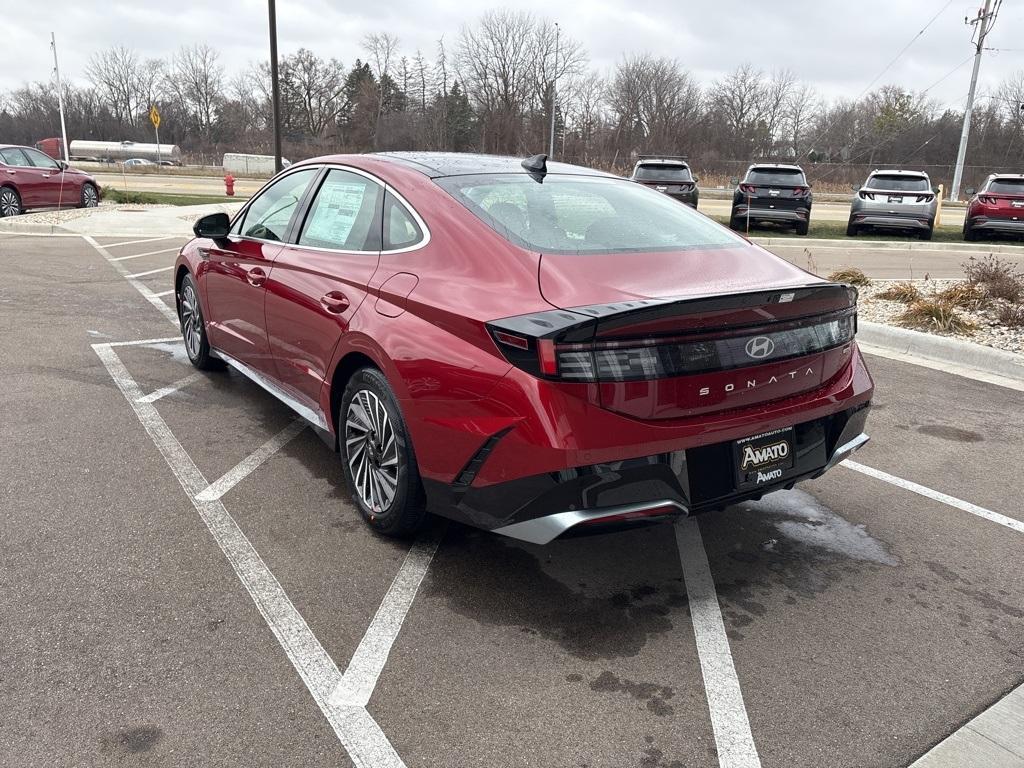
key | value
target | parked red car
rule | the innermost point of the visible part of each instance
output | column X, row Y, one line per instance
column 31, row 179
column 998, row 207
column 525, row 347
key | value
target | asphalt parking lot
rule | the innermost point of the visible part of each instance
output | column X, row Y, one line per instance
column 183, row 582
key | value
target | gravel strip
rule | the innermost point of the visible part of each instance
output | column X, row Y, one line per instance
column 990, row 331
column 69, row 214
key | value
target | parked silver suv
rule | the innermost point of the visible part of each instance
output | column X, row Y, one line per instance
column 894, row 200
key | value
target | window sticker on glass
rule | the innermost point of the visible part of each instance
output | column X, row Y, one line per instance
column 338, row 205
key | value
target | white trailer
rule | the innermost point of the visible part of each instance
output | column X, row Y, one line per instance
column 250, row 165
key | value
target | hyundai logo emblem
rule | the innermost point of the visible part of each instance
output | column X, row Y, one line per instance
column 760, row 346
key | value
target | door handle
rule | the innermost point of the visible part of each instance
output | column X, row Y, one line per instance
column 256, row 276
column 334, row 302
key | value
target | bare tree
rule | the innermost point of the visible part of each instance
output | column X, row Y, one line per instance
column 126, row 83
column 196, row 81
column 381, row 46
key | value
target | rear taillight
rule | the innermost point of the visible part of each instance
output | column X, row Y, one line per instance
column 866, row 195
column 925, row 198
column 986, row 200
column 748, row 189
column 801, row 192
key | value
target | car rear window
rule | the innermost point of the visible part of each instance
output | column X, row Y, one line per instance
column 1007, row 186
column 584, row 215
column 901, row 183
column 780, row 176
column 662, row 173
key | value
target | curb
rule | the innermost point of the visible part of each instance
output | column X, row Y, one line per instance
column 942, row 349
column 25, row 228
column 902, row 245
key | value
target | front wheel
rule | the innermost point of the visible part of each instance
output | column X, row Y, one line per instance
column 377, row 456
column 193, row 328
column 90, row 196
column 10, row 202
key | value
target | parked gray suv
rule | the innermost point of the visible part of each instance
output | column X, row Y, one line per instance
column 901, row 200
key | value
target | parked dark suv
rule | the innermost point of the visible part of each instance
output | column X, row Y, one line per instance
column 997, row 207
column 773, row 193
column 668, row 174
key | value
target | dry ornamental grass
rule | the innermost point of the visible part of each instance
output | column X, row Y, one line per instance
column 907, row 293
column 935, row 315
column 850, row 275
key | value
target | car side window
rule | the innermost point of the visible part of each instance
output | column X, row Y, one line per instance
column 14, row 156
column 345, row 214
column 268, row 216
column 39, row 160
column 400, row 228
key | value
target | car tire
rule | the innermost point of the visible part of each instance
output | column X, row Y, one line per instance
column 193, row 327
column 738, row 225
column 90, row 196
column 802, row 227
column 377, row 456
column 851, row 229
column 969, row 234
column 10, row 202
column 926, row 234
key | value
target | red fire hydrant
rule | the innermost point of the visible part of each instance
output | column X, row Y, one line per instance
column 229, row 185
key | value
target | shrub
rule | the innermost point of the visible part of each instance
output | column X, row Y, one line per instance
column 963, row 296
column 850, row 275
column 999, row 279
column 906, row 293
column 1011, row 316
column 932, row 315
column 119, row 196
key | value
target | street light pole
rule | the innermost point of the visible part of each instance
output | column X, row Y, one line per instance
column 984, row 21
column 554, row 96
column 275, row 94
column 60, row 97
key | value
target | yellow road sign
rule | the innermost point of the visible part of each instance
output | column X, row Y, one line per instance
column 154, row 116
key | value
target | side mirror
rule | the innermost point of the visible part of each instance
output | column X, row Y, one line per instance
column 214, row 226
column 970, row 191
column 695, row 179
column 809, row 185
column 63, row 165
column 734, row 181
column 855, row 188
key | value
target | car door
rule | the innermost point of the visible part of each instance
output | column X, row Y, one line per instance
column 234, row 281
column 26, row 179
column 54, row 188
column 318, row 283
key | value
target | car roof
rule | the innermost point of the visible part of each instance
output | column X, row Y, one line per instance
column 662, row 161
column 776, row 166
column 1014, row 176
column 894, row 172
column 437, row 164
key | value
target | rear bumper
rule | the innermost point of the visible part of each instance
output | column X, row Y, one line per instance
column 591, row 465
column 1007, row 226
column 772, row 214
column 919, row 221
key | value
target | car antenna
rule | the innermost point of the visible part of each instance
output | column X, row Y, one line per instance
column 536, row 166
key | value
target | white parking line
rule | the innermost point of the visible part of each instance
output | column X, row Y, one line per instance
column 359, row 733
column 155, row 395
column 922, row 490
column 360, row 678
column 729, row 721
column 148, row 253
column 244, row 468
column 150, row 272
column 168, row 312
column 138, row 242
column 161, row 294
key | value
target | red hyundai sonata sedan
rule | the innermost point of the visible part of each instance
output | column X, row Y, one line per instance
column 527, row 347
column 30, row 179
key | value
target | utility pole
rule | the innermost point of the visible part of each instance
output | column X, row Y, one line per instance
column 60, row 97
column 984, row 21
column 275, row 93
column 554, row 96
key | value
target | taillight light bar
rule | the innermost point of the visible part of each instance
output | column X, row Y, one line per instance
column 801, row 192
column 748, row 189
column 867, row 195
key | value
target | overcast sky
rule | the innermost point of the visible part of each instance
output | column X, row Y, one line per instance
column 837, row 45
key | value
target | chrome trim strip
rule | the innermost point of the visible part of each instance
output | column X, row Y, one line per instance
column 846, row 450
column 542, row 530
column 316, row 418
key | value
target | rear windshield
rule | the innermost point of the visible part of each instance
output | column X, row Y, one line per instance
column 584, row 215
column 662, row 173
column 899, row 183
column 1007, row 186
column 781, row 176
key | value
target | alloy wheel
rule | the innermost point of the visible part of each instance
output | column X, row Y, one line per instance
column 372, row 451
column 89, row 197
column 9, row 205
column 191, row 321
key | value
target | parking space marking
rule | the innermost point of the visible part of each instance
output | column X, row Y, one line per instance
column 139, row 242
column 150, row 272
column 157, row 394
column 161, row 294
column 168, row 312
column 358, row 732
column 729, row 720
column 922, row 490
column 147, row 253
column 244, row 468
column 360, row 678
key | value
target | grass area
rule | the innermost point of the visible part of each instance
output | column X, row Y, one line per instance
column 163, row 198
column 837, row 229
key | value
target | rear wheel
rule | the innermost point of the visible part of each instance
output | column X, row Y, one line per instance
column 801, row 227
column 10, row 202
column 193, row 328
column 969, row 234
column 851, row 229
column 735, row 223
column 926, row 234
column 377, row 457
column 90, row 196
